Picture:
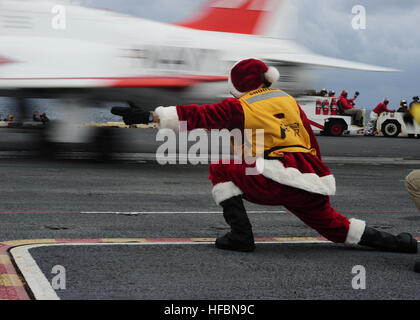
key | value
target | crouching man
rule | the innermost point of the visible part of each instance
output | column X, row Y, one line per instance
column 289, row 171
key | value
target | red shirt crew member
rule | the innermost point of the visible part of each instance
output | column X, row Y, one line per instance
column 382, row 107
column 345, row 102
column 349, row 109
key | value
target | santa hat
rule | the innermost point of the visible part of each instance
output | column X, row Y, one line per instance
column 250, row 74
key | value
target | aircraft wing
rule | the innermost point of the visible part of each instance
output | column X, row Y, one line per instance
column 318, row 60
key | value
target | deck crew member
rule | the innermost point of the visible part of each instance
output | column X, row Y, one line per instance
column 374, row 115
column 403, row 106
column 347, row 105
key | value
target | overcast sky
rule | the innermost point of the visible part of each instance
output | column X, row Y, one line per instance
column 391, row 38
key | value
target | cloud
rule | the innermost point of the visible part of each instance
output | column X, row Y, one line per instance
column 391, row 36
column 390, row 39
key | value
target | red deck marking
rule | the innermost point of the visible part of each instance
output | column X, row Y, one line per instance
column 3, row 269
column 265, row 239
column 10, row 293
column 7, row 269
column 80, row 212
column 39, row 212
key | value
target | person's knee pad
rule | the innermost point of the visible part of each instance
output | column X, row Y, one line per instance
column 412, row 183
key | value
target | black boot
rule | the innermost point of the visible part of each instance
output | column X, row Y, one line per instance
column 240, row 238
column 404, row 242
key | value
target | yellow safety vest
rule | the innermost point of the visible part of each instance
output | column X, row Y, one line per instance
column 275, row 112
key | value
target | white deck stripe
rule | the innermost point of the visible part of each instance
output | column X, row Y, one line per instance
column 36, row 280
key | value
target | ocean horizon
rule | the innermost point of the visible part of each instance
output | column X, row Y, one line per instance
column 55, row 110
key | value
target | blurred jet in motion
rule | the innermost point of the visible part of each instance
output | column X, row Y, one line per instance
column 53, row 50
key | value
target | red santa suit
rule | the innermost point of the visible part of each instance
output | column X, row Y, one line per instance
column 288, row 174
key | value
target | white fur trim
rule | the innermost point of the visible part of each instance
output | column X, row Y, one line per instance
column 225, row 190
column 272, row 75
column 275, row 170
column 168, row 118
column 356, row 230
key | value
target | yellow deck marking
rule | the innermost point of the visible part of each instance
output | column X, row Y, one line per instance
column 4, row 259
column 203, row 239
column 32, row 241
column 10, row 280
column 302, row 239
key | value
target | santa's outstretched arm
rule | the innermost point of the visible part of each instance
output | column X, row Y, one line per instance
column 227, row 114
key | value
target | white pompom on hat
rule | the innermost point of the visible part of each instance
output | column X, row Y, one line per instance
column 249, row 74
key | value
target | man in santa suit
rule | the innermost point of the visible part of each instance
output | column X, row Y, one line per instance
column 288, row 171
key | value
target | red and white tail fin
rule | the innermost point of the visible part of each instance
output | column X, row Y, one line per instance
column 235, row 16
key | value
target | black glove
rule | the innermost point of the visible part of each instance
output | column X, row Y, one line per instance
column 133, row 114
column 357, row 93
